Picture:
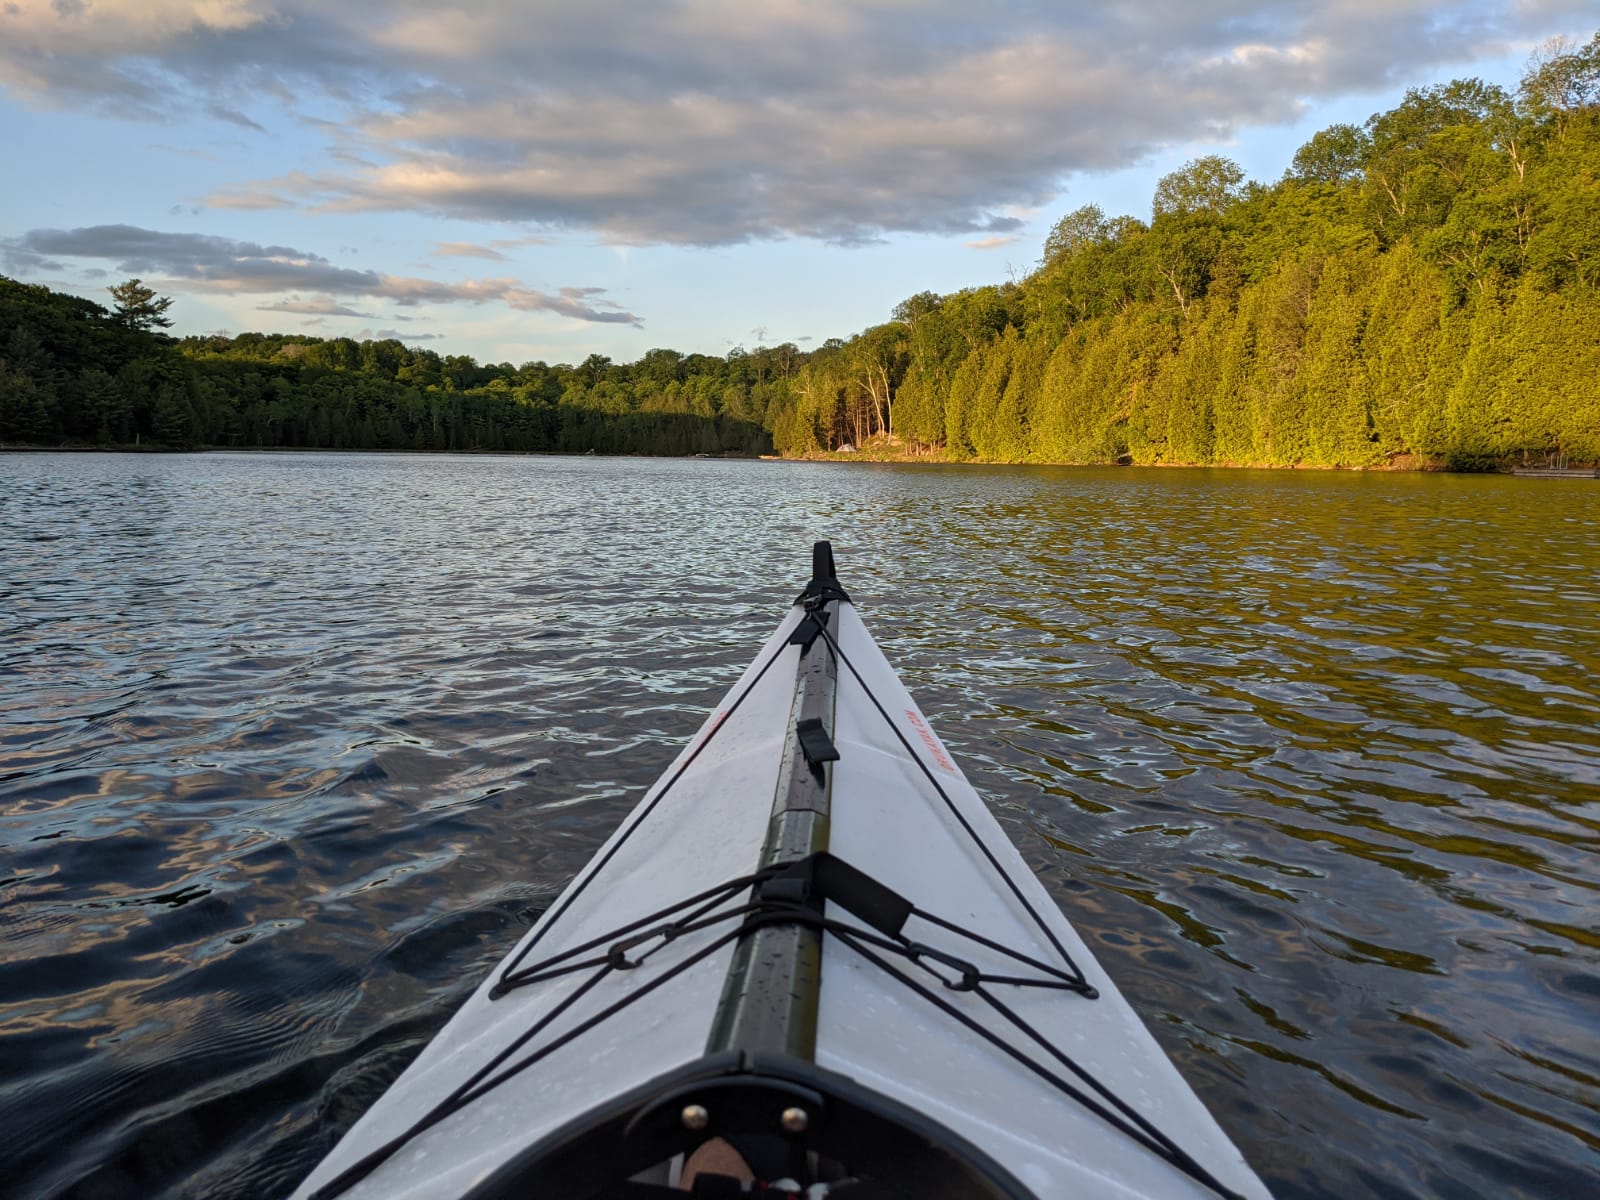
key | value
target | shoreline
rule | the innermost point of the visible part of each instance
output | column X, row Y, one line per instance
column 1404, row 465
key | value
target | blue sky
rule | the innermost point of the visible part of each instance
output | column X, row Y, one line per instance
column 528, row 180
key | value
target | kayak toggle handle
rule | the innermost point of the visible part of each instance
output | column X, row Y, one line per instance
column 822, row 561
column 824, row 585
column 971, row 977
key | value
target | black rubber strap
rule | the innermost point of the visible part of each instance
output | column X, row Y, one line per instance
column 824, row 585
column 881, row 907
column 821, row 876
column 815, row 743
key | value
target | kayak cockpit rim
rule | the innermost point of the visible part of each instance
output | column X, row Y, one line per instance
column 733, row 1096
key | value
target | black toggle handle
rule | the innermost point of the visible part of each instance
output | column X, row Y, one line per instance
column 822, row 561
column 824, row 585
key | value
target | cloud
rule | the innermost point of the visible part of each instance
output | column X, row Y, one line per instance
column 325, row 306
column 720, row 121
column 206, row 263
column 141, row 251
column 491, row 251
column 993, row 241
column 248, row 199
column 234, row 117
column 580, row 303
column 399, row 335
column 465, row 250
column 186, row 151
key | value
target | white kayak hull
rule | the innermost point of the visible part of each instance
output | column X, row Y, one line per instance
column 1043, row 1090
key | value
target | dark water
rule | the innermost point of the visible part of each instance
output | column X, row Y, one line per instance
column 293, row 748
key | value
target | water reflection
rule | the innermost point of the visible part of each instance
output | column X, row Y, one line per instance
column 291, row 748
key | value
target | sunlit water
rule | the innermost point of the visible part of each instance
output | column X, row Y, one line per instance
column 292, row 748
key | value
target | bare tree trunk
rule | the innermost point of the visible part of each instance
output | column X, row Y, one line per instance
column 1172, row 278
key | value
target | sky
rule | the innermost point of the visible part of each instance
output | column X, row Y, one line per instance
column 525, row 180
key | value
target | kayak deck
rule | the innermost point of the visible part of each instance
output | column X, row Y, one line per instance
column 785, row 925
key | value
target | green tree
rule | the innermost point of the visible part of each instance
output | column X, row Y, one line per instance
column 1210, row 184
column 1078, row 230
column 960, row 410
column 1172, row 419
column 994, row 427
column 1423, row 150
column 106, row 408
column 1332, row 386
column 1183, row 248
column 877, row 363
column 1563, row 239
column 1562, row 82
column 1397, row 350
column 139, row 308
column 1336, row 155
column 26, row 411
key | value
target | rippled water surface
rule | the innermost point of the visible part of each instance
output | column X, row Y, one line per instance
column 292, row 748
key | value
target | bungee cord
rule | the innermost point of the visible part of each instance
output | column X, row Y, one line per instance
column 637, row 819
column 819, row 877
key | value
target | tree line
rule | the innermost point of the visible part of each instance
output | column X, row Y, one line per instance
column 1423, row 288
column 75, row 373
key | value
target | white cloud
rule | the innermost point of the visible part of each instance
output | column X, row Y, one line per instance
column 322, row 306
column 723, row 121
column 993, row 242
column 465, row 250
column 399, row 335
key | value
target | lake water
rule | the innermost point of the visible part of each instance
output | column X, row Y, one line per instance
column 293, row 748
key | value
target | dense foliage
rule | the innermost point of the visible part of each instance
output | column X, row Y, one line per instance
column 70, row 372
column 1423, row 287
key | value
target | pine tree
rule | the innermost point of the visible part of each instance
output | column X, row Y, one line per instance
column 1477, row 415
column 172, row 419
column 138, row 307
column 1332, row 383
column 106, row 408
column 962, row 404
column 992, row 431
column 1397, row 343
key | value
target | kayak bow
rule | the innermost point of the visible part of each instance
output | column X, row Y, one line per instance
column 812, row 941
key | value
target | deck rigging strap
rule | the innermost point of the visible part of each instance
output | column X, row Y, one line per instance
column 638, row 818
column 792, row 894
column 956, row 812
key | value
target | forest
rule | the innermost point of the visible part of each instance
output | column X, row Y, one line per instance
column 1421, row 290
